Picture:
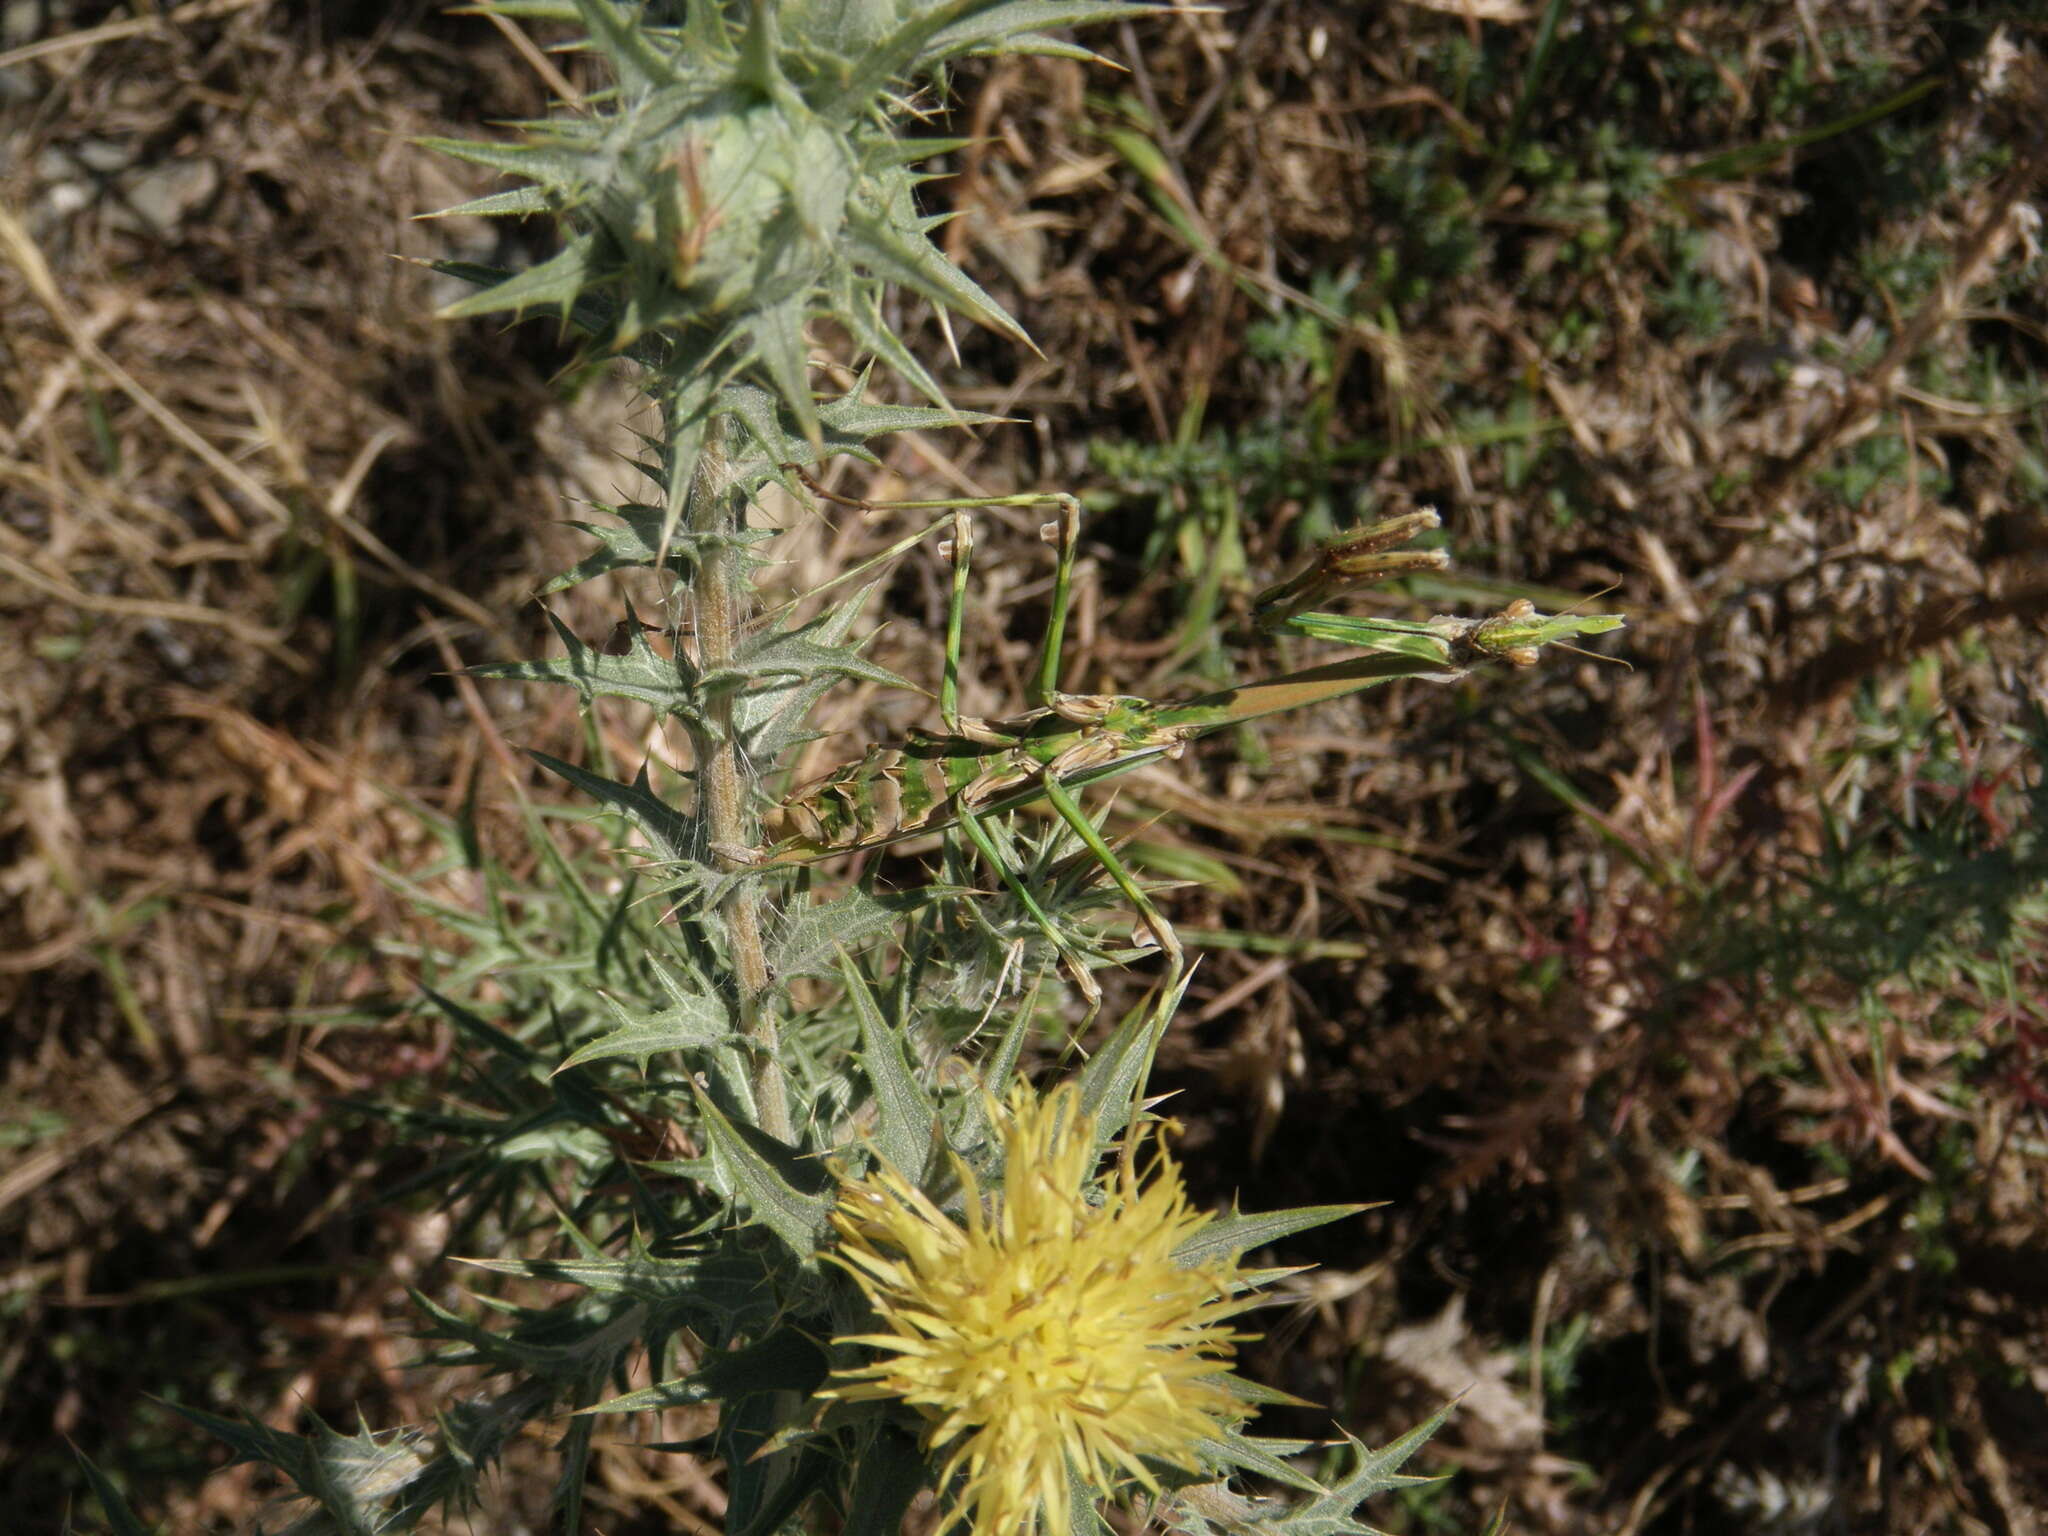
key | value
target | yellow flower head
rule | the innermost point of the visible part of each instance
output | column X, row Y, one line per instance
column 1047, row 1333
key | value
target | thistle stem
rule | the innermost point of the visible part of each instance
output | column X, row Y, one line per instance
column 721, row 591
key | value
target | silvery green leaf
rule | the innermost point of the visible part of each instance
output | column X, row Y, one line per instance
column 1223, row 1239
column 1264, row 1457
column 788, row 1194
column 639, row 545
column 839, row 29
column 806, row 943
column 1015, row 26
column 548, row 165
column 904, row 256
column 676, row 837
column 771, row 438
column 770, row 720
column 849, row 420
column 906, row 1119
column 642, row 675
column 734, row 1281
column 554, row 284
column 894, row 51
column 804, row 653
column 1110, row 1079
column 690, row 1021
column 860, row 313
column 777, row 333
column 640, row 65
column 822, row 182
column 520, row 201
column 1334, row 1512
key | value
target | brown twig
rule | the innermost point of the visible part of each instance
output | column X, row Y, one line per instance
column 1976, row 250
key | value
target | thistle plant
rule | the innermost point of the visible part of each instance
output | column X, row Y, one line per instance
column 831, row 1224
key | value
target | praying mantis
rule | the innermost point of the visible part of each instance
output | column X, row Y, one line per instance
column 972, row 768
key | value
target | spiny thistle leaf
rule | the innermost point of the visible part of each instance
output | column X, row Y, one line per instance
column 1236, row 1233
column 783, row 1192
column 555, row 284
column 1263, row 1457
column 858, row 308
column 853, row 921
column 777, row 334
column 731, row 1287
column 900, row 255
column 1333, row 1511
column 905, row 1115
column 543, row 164
column 770, row 440
column 639, row 545
column 931, row 31
column 354, row 1479
column 1013, row 26
column 688, row 1022
column 570, row 1347
column 797, row 653
column 640, row 65
column 249, row 1441
column 769, row 720
column 836, row 30
column 676, row 837
column 783, row 1361
column 121, row 1519
column 666, row 684
column 1109, row 1080
column 520, row 202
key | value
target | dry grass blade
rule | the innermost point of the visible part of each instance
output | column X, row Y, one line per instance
column 148, row 608
column 86, row 38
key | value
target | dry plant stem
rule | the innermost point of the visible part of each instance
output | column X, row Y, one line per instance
column 1977, row 249
column 720, row 595
column 1843, row 665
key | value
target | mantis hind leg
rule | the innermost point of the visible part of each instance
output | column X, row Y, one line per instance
column 1071, row 960
column 1075, row 817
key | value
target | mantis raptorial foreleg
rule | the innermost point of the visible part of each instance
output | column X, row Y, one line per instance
column 1064, row 533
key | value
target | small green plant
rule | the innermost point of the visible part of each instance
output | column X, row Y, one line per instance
column 768, row 1131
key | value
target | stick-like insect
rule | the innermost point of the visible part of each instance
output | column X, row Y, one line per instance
column 972, row 768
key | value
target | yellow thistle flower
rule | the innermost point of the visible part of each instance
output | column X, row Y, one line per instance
column 1047, row 1334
